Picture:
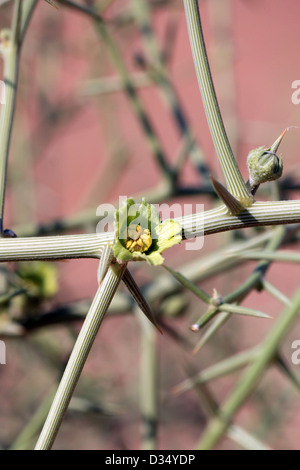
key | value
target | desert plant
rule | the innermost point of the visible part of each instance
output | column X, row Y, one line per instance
column 140, row 236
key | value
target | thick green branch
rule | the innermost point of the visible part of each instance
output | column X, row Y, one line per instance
column 11, row 52
column 260, row 213
column 231, row 171
column 59, row 247
column 79, row 355
column 199, row 224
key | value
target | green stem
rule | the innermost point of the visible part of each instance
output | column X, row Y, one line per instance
column 232, row 308
column 79, row 355
column 27, row 12
column 284, row 256
column 16, row 23
column 214, row 221
column 10, row 59
column 148, row 385
column 222, row 368
column 11, row 66
column 156, row 70
column 33, row 427
column 242, row 291
column 249, row 379
column 189, row 285
column 276, row 293
column 259, row 271
column 234, row 180
column 245, row 440
column 59, row 247
column 260, row 213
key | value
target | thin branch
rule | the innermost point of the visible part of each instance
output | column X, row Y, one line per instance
column 79, row 355
column 27, row 12
column 220, row 369
column 11, row 54
column 16, row 23
column 243, row 290
column 156, row 70
column 249, row 379
column 149, row 384
column 275, row 292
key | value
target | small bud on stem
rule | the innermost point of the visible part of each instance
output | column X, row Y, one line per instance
column 264, row 164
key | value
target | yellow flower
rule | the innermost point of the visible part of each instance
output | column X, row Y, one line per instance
column 141, row 236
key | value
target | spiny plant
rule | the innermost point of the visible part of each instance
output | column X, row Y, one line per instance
column 141, row 236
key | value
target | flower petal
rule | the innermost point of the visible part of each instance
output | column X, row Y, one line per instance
column 169, row 234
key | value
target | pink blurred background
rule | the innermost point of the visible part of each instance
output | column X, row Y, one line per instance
column 73, row 150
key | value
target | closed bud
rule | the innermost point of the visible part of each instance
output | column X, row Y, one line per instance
column 264, row 164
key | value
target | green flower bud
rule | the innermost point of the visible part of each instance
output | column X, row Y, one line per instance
column 140, row 236
column 264, row 164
